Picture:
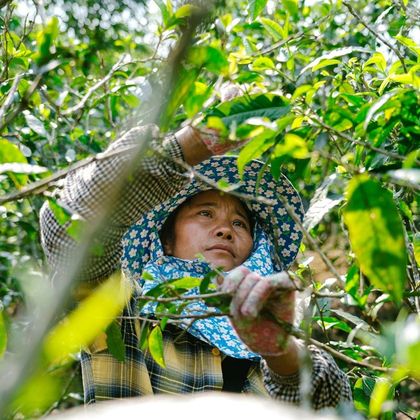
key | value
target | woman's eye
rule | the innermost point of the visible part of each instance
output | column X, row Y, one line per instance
column 239, row 223
column 205, row 213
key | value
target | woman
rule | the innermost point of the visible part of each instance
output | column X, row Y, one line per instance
column 250, row 238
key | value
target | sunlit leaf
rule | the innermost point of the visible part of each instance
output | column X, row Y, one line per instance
column 376, row 234
column 325, row 63
column 273, row 28
column 377, row 105
column 293, row 146
column 339, row 52
column 292, row 7
column 263, row 63
column 256, row 7
column 381, row 393
column 186, row 283
column 100, row 308
column 411, row 176
column 255, row 148
column 155, row 343
column 35, row 124
column 378, row 59
column 10, row 153
column 61, row 214
column 37, row 394
column 321, row 204
column 409, row 43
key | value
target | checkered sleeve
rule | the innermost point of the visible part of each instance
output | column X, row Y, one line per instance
column 85, row 191
column 329, row 384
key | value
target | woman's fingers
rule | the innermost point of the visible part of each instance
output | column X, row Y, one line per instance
column 241, row 294
column 254, row 292
column 234, row 279
column 256, row 298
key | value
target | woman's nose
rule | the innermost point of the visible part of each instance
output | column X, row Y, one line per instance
column 224, row 232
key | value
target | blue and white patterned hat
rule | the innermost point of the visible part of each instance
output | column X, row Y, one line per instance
column 139, row 242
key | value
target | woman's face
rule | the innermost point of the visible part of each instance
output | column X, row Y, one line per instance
column 215, row 225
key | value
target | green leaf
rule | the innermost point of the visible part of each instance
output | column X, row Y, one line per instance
column 293, row 146
column 179, row 93
column 416, row 245
column 273, row 28
column 378, row 59
column 324, row 63
column 409, row 43
column 164, row 11
column 144, row 332
column 3, row 335
column 339, row 52
column 242, row 108
column 45, row 40
column 186, row 283
column 184, row 11
column 263, row 63
column 255, row 148
column 10, row 153
column 256, row 7
column 376, row 235
column 35, row 124
column 211, row 58
column 292, row 7
column 377, row 105
column 198, row 96
column 155, row 342
column 62, row 215
column 115, row 342
column 362, row 391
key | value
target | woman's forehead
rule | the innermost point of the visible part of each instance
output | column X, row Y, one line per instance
column 218, row 199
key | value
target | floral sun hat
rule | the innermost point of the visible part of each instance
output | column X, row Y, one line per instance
column 139, row 242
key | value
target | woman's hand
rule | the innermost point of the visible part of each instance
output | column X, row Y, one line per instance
column 259, row 305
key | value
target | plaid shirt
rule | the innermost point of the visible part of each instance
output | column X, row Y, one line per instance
column 192, row 365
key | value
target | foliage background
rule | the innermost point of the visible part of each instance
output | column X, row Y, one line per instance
column 346, row 76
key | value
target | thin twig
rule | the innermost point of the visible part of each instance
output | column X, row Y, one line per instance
column 184, row 297
column 349, row 359
column 175, row 316
column 376, row 33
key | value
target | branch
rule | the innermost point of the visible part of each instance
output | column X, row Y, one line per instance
column 377, row 35
column 95, row 87
column 44, row 69
column 175, row 317
column 188, row 297
column 359, row 142
column 348, row 359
